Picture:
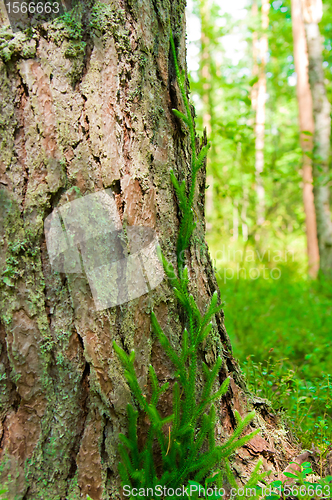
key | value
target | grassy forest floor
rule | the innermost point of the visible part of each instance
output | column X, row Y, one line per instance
column 280, row 325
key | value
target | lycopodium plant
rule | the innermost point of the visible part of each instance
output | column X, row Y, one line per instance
column 182, row 444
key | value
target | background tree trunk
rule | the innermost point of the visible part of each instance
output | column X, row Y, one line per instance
column 205, row 63
column 312, row 14
column 260, row 50
column 86, row 105
column 306, row 125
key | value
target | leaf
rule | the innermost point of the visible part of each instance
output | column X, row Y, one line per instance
column 201, row 156
column 181, row 116
column 120, row 352
column 328, row 478
column 210, row 480
column 194, row 483
column 215, row 496
column 132, row 356
column 289, row 474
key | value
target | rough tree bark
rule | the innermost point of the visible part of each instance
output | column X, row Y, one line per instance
column 81, row 111
column 312, row 14
column 306, row 122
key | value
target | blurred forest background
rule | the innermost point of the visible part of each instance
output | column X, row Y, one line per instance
column 261, row 226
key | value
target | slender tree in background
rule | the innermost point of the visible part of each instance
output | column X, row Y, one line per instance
column 205, row 76
column 205, row 62
column 306, row 123
column 260, row 51
column 87, row 105
column 312, row 14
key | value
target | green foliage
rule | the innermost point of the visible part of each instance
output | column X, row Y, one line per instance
column 72, row 22
column 301, row 484
column 188, row 448
column 3, row 491
column 215, row 483
column 224, row 97
column 186, row 202
column 298, row 484
column 185, row 440
column 281, row 332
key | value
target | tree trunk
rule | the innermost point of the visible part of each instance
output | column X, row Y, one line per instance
column 260, row 49
column 312, row 13
column 245, row 203
column 205, row 61
column 86, row 106
column 235, row 220
column 306, row 130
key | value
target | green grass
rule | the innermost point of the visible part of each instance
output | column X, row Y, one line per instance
column 281, row 331
column 291, row 315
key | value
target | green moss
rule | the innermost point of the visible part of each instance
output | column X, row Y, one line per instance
column 71, row 23
column 104, row 20
column 21, row 45
column 74, row 492
column 49, row 466
column 75, row 49
column 101, row 17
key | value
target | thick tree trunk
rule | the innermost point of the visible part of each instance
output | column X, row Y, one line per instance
column 312, row 13
column 307, row 130
column 84, row 110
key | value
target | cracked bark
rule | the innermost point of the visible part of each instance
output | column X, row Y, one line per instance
column 65, row 394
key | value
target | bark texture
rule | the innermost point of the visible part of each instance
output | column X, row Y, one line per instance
column 312, row 13
column 306, row 122
column 83, row 110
